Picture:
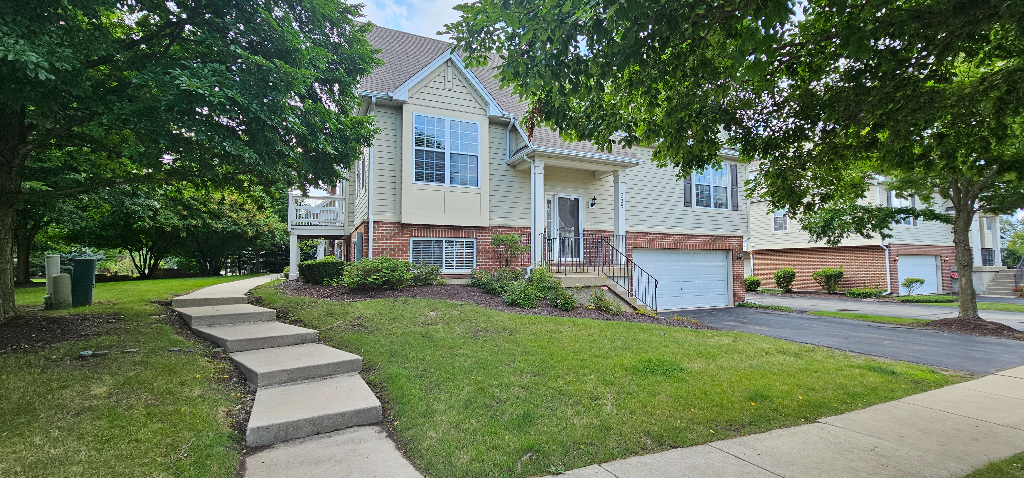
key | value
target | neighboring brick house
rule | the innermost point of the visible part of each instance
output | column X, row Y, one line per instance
column 451, row 166
column 922, row 249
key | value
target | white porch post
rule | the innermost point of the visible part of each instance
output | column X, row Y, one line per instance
column 293, row 257
column 997, row 242
column 320, row 250
column 619, row 228
column 976, row 240
column 539, row 212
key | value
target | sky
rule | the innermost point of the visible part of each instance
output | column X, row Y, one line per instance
column 422, row 17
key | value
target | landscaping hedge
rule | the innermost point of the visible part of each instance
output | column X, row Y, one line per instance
column 751, row 283
column 927, row 299
column 324, row 271
column 864, row 293
column 784, row 279
column 379, row 273
column 828, row 279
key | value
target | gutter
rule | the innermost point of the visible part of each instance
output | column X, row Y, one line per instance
column 369, row 178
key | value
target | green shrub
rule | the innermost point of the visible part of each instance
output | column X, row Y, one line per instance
column 928, row 299
column 495, row 282
column 755, row 305
column 751, row 283
column 520, row 294
column 508, row 248
column 544, row 282
column 784, row 279
column 864, row 292
column 563, row 299
column 910, row 284
column 600, row 301
column 425, row 274
column 828, row 279
column 324, row 271
column 378, row 273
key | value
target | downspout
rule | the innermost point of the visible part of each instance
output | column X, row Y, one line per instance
column 888, row 274
column 369, row 179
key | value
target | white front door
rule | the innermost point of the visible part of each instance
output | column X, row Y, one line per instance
column 921, row 267
column 688, row 278
column 567, row 227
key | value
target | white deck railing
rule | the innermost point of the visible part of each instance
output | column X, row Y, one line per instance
column 328, row 211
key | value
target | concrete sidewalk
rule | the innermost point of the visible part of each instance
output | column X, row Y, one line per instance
column 943, row 433
column 890, row 309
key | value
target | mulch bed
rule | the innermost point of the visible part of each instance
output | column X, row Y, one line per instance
column 979, row 327
column 473, row 295
column 29, row 332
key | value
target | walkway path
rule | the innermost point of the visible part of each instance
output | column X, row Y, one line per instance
column 312, row 408
column 982, row 355
column 943, row 433
column 890, row 309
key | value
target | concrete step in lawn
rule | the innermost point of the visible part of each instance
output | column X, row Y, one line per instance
column 294, row 363
column 206, row 301
column 309, row 408
column 226, row 314
column 256, row 335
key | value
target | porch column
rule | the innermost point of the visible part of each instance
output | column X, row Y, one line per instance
column 320, row 250
column 619, row 228
column 976, row 240
column 293, row 257
column 997, row 242
column 539, row 212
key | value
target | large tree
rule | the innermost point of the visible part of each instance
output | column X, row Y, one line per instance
column 926, row 93
column 224, row 91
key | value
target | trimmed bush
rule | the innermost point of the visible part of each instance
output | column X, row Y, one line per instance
column 378, row 273
column 864, row 293
column 600, row 301
column 495, row 282
column 828, row 279
column 520, row 294
column 928, row 299
column 751, row 283
column 324, row 271
column 910, row 284
column 784, row 279
column 425, row 274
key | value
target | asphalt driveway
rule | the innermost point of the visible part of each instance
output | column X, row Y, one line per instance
column 890, row 309
column 983, row 355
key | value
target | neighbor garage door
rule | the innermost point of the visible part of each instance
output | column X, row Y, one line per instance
column 922, row 267
column 687, row 279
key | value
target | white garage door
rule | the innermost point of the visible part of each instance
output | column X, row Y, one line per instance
column 687, row 279
column 922, row 267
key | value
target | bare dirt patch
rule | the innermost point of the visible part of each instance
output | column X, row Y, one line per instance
column 979, row 327
column 473, row 295
column 28, row 332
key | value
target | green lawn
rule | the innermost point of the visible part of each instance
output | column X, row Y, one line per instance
column 869, row 318
column 1012, row 467
column 990, row 306
column 477, row 392
column 153, row 413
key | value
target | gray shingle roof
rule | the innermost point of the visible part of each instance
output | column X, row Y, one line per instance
column 405, row 54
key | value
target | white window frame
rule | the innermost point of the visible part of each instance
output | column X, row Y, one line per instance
column 447, row 150
column 710, row 173
column 785, row 224
column 444, row 251
column 904, row 202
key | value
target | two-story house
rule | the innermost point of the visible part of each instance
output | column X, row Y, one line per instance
column 921, row 249
column 453, row 165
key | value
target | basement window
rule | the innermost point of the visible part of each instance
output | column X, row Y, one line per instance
column 451, row 255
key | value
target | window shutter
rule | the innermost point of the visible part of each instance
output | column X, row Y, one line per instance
column 688, row 191
column 735, row 196
column 913, row 204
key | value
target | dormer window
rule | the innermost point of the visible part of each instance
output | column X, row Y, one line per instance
column 446, row 151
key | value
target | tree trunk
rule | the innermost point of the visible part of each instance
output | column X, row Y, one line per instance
column 963, row 217
column 13, row 152
column 25, row 238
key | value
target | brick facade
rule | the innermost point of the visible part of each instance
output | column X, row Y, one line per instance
column 863, row 266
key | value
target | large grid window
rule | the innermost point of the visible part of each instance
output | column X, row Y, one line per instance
column 451, row 255
column 781, row 221
column 711, row 188
column 446, row 151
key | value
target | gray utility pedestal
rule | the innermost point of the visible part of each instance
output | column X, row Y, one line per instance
column 60, row 298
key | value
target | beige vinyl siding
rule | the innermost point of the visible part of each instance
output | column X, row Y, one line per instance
column 387, row 165
column 518, row 141
column 510, row 189
column 448, row 89
column 925, row 232
column 654, row 203
column 578, row 182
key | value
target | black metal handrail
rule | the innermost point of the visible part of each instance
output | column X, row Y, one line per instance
column 1018, row 275
column 598, row 253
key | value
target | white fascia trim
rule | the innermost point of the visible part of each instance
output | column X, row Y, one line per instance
column 569, row 152
column 373, row 94
column 402, row 92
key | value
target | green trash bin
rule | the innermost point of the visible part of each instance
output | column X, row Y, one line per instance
column 83, row 280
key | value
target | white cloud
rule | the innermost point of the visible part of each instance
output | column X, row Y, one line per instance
column 425, row 17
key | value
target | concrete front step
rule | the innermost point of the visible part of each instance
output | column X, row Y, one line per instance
column 226, row 314
column 206, row 301
column 309, row 408
column 256, row 335
column 294, row 363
